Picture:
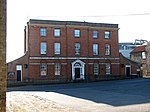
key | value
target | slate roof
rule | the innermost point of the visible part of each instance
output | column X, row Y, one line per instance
column 78, row 23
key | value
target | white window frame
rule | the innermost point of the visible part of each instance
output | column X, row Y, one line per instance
column 57, row 32
column 19, row 67
column 95, row 49
column 57, row 68
column 43, row 32
column 107, row 34
column 108, row 68
column 107, row 49
column 95, row 34
column 77, row 33
column 96, row 69
column 77, row 48
column 43, row 47
column 57, row 48
column 43, row 69
column 143, row 55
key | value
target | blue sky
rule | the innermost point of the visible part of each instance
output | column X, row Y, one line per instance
column 133, row 17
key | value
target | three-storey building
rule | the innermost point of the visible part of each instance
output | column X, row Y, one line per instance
column 68, row 51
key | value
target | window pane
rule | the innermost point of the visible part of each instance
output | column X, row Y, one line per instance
column 107, row 34
column 107, row 68
column 43, row 48
column 77, row 48
column 143, row 55
column 96, row 69
column 107, row 49
column 43, row 31
column 77, row 33
column 95, row 34
column 95, row 49
column 57, row 32
column 57, row 68
column 43, row 67
column 57, row 48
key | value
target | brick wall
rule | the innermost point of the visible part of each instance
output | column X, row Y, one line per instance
column 137, row 57
column 146, row 62
column 67, row 40
column 11, row 66
column 125, row 61
column 2, row 55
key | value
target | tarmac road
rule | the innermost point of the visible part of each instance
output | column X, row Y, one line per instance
column 106, row 96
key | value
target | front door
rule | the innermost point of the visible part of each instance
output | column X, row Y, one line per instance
column 19, row 72
column 128, row 71
column 18, row 75
column 78, row 67
column 77, row 72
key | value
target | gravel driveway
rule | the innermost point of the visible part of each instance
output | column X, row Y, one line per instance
column 25, row 102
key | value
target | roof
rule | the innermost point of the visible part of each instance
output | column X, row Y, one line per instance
column 126, row 43
column 77, row 23
column 139, row 49
column 125, row 53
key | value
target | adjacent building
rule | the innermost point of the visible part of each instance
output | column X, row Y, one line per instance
column 146, row 61
column 64, row 51
column 125, row 48
column 138, row 54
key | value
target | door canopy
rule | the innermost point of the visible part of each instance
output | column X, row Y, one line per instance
column 78, row 62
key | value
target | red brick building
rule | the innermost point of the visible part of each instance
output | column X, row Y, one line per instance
column 69, row 50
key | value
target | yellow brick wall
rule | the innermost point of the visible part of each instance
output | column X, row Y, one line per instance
column 2, row 55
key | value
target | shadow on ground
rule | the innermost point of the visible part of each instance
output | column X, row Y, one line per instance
column 115, row 93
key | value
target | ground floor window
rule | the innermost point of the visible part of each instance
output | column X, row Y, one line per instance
column 96, row 69
column 108, row 68
column 57, row 68
column 43, row 67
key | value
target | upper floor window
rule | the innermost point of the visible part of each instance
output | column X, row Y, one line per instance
column 57, row 32
column 95, row 49
column 96, row 69
column 43, row 47
column 107, row 67
column 107, row 49
column 143, row 55
column 107, row 34
column 77, row 48
column 43, row 32
column 57, row 48
column 77, row 33
column 95, row 34
column 57, row 68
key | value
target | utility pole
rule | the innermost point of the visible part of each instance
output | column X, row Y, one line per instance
column 2, row 55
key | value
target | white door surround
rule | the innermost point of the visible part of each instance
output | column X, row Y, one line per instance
column 128, row 70
column 78, row 72
column 19, row 72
